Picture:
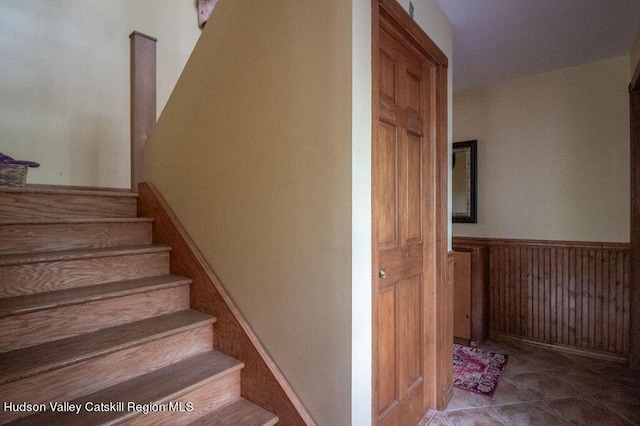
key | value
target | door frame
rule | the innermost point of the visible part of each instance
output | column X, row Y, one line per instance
column 438, row 323
column 634, row 124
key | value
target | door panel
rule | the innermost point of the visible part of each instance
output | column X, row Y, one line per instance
column 387, row 186
column 414, row 189
column 387, row 389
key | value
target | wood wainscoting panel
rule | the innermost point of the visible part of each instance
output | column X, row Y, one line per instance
column 569, row 294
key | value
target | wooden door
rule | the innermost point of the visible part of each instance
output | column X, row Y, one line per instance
column 401, row 194
column 412, row 289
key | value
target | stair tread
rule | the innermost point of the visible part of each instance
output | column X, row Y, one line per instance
column 38, row 301
column 157, row 387
column 54, row 256
column 76, row 220
column 69, row 191
column 21, row 363
column 239, row 412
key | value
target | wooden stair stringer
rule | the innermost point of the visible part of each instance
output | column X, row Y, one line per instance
column 262, row 382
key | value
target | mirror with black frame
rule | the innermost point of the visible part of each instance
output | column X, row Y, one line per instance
column 464, row 185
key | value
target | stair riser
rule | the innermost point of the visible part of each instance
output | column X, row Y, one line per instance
column 204, row 399
column 22, row 238
column 70, row 382
column 16, row 280
column 26, row 330
column 22, row 206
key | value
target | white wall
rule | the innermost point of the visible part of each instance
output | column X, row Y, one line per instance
column 64, row 81
column 553, row 154
column 361, row 303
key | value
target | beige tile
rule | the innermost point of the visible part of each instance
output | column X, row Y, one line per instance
column 439, row 420
column 427, row 417
column 587, row 381
column 585, row 411
column 544, row 386
column 508, row 392
column 466, row 399
column 474, row 417
column 549, row 359
column 530, row 413
column 517, row 364
column 624, row 403
column 621, row 373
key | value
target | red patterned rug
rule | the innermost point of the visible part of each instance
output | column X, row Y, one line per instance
column 477, row 370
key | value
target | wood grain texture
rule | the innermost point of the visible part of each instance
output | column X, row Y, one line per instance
column 262, row 382
column 462, row 296
column 158, row 387
column 20, row 331
column 444, row 336
column 16, row 280
column 563, row 293
column 240, row 412
column 143, row 100
column 205, row 399
column 74, row 296
column 475, row 275
column 30, row 203
column 401, row 156
column 98, row 372
column 42, row 236
column 438, row 332
column 23, row 363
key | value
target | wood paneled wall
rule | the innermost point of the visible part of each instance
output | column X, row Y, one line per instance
column 562, row 293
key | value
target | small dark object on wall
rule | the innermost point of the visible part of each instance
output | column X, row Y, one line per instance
column 205, row 7
column 5, row 159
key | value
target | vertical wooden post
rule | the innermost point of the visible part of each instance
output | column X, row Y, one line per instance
column 143, row 100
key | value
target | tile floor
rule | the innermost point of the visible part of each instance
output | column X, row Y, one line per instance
column 545, row 387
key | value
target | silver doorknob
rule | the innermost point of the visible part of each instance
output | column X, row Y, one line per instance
column 382, row 273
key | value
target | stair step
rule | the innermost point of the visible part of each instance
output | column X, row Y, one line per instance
column 76, row 254
column 151, row 391
column 40, row 203
column 39, row 301
column 240, row 412
column 69, row 234
column 96, row 372
column 22, row 363
column 21, row 331
column 28, row 273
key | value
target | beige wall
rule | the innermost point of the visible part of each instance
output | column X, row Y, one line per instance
column 253, row 152
column 64, row 81
column 553, row 154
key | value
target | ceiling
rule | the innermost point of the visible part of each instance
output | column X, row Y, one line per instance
column 499, row 40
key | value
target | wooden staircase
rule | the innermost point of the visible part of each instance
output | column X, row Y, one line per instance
column 92, row 319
